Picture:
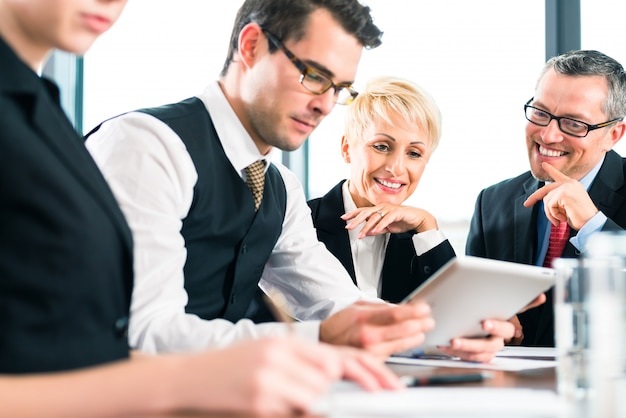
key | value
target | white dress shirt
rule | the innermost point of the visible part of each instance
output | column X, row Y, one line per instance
column 152, row 176
column 368, row 254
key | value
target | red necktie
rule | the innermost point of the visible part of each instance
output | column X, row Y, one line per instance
column 558, row 238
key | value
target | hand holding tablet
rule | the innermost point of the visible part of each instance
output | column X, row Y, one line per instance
column 468, row 290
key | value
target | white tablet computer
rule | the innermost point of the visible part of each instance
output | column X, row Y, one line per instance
column 468, row 290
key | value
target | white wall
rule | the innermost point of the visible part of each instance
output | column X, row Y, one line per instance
column 160, row 51
column 479, row 59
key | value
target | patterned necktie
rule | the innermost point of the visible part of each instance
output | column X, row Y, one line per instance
column 255, row 180
column 558, row 238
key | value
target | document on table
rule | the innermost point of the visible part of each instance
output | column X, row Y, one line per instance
column 348, row 400
column 543, row 353
column 509, row 359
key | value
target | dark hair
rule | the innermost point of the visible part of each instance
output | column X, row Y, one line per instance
column 594, row 63
column 286, row 19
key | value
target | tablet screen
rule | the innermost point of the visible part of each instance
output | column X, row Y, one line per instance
column 468, row 290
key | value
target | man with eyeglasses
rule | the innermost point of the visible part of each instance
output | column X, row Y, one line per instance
column 576, row 181
column 212, row 216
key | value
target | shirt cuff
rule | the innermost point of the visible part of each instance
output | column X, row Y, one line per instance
column 427, row 240
column 593, row 225
column 307, row 330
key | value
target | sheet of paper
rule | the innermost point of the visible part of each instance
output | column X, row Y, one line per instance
column 544, row 353
column 498, row 363
column 351, row 401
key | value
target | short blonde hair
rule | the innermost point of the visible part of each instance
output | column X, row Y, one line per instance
column 386, row 95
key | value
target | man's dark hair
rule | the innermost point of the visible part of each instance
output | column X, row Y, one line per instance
column 287, row 19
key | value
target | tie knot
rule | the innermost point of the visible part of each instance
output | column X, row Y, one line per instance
column 255, row 180
column 256, row 169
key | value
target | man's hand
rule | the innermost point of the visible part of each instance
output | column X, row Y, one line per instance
column 481, row 350
column 539, row 300
column 518, row 337
column 500, row 332
column 565, row 200
column 380, row 328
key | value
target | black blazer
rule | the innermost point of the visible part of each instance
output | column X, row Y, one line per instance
column 503, row 229
column 65, row 249
column 402, row 271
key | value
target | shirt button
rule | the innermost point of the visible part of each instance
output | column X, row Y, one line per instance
column 427, row 269
column 244, row 249
column 121, row 327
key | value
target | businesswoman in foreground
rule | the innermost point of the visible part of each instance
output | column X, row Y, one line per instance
column 66, row 266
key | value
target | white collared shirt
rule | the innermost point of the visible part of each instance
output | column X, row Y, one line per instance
column 368, row 254
column 152, row 176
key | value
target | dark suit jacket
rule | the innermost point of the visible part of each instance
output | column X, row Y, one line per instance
column 403, row 270
column 502, row 228
column 65, row 249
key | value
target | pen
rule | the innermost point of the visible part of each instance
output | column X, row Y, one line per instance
column 412, row 381
column 278, row 306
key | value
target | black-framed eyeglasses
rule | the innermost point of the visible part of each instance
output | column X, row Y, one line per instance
column 313, row 79
column 569, row 126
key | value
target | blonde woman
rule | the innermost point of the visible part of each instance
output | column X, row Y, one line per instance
column 389, row 248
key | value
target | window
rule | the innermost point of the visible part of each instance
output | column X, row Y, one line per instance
column 160, row 51
column 468, row 54
column 602, row 29
column 467, row 59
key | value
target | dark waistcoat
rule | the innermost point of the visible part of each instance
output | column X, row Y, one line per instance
column 227, row 243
